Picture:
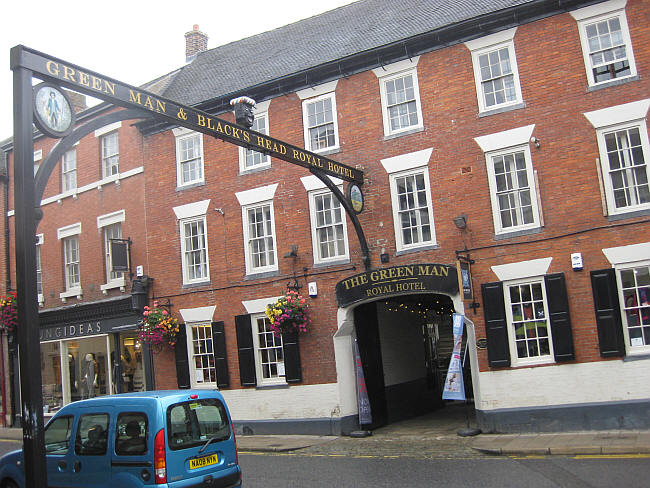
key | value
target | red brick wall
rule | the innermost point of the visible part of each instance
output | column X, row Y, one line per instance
column 554, row 87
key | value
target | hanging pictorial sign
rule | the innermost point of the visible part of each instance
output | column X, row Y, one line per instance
column 106, row 88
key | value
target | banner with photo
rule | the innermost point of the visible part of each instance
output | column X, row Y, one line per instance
column 454, row 388
column 363, row 402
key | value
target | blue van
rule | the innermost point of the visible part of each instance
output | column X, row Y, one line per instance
column 174, row 439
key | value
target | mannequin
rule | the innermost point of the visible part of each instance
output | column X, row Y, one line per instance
column 90, row 378
column 73, row 373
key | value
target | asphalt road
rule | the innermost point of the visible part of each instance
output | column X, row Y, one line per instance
column 315, row 471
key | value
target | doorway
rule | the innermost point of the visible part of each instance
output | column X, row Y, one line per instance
column 405, row 344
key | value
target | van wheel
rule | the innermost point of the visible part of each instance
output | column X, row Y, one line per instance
column 9, row 484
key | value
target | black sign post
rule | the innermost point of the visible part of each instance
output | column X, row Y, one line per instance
column 29, row 346
column 55, row 118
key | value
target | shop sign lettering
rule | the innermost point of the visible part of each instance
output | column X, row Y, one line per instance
column 70, row 331
column 414, row 278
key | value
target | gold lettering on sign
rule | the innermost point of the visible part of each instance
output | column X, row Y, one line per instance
column 151, row 103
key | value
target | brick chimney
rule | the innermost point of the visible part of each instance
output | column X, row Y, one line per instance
column 195, row 42
column 78, row 101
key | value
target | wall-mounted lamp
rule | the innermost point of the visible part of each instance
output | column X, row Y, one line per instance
column 535, row 141
column 293, row 253
column 461, row 221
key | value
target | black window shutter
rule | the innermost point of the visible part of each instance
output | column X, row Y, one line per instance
column 496, row 328
column 182, row 364
column 247, row 375
column 558, row 308
column 292, row 369
column 608, row 313
column 220, row 354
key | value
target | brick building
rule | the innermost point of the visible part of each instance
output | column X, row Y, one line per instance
column 508, row 135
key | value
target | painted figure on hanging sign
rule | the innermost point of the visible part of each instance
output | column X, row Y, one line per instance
column 52, row 109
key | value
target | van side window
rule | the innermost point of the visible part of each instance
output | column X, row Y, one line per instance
column 57, row 435
column 131, row 434
column 92, row 435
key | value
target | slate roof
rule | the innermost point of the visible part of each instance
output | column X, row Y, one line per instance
column 347, row 30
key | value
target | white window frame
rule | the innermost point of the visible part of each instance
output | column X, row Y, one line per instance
column 39, row 269
column 186, row 214
column 63, row 233
column 280, row 379
column 391, row 72
column 110, row 162
column 306, row 127
column 486, row 45
column 316, row 244
column 187, row 280
column 68, row 173
column 405, row 165
column 515, row 360
column 38, row 158
column 623, row 258
column 189, row 328
column 507, row 142
column 316, row 188
column 182, row 135
column 261, row 111
column 250, row 199
column 104, row 221
column 613, row 119
column 598, row 13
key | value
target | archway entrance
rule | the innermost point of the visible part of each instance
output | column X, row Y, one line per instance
column 405, row 343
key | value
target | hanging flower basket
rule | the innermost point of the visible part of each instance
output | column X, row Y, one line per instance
column 289, row 314
column 157, row 328
column 8, row 312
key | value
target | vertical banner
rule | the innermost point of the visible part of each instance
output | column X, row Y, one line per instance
column 454, row 388
column 363, row 402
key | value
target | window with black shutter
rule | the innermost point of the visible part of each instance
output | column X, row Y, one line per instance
column 220, row 354
column 182, row 364
column 608, row 313
column 528, row 311
column 245, row 350
column 496, row 327
column 558, row 309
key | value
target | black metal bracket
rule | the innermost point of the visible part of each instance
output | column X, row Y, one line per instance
column 465, row 257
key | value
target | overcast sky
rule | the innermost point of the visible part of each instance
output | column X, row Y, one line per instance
column 133, row 41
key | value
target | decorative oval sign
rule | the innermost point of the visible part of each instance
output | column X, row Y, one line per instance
column 355, row 197
column 53, row 113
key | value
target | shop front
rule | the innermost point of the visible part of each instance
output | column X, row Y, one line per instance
column 91, row 350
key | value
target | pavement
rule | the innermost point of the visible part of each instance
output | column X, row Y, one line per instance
column 435, row 435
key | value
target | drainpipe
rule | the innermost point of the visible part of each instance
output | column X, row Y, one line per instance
column 4, row 179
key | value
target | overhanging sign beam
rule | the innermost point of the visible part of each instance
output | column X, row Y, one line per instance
column 106, row 88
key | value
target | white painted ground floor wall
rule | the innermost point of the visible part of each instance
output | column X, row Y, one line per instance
column 596, row 382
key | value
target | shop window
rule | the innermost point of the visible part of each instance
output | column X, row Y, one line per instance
column 69, row 171
column 606, row 43
column 527, row 321
column 265, row 359
column 110, row 154
column 131, row 434
column 495, row 71
column 189, row 157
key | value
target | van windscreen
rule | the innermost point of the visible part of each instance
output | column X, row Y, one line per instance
column 192, row 423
